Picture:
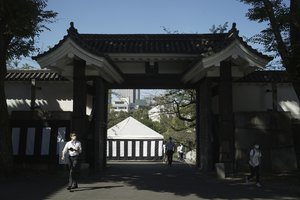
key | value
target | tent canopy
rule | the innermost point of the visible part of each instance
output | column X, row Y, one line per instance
column 132, row 129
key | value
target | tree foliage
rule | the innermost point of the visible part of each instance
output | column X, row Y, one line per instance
column 282, row 33
column 280, row 12
column 179, row 115
column 21, row 21
column 221, row 28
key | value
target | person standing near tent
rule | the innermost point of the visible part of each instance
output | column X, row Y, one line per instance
column 180, row 151
column 254, row 163
column 73, row 147
column 165, row 159
column 170, row 147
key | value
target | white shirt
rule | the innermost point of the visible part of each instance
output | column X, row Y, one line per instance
column 255, row 156
column 72, row 145
column 180, row 149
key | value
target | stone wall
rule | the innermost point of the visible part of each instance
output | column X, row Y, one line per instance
column 273, row 132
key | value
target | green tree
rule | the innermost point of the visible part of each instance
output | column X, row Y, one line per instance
column 282, row 35
column 12, row 64
column 179, row 115
column 20, row 22
column 26, row 66
column 221, row 28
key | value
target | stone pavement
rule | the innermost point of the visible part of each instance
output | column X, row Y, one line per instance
column 148, row 181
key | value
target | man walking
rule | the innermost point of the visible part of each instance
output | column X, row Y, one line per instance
column 254, row 163
column 170, row 147
column 73, row 147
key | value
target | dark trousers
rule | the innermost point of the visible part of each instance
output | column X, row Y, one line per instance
column 170, row 157
column 74, row 170
column 254, row 172
column 181, row 155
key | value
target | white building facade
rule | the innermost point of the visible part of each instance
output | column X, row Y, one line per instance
column 121, row 104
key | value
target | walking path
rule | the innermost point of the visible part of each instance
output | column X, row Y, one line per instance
column 148, row 181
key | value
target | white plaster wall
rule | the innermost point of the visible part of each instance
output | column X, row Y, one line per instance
column 55, row 96
column 51, row 96
column 89, row 104
column 17, row 96
column 249, row 97
column 288, row 100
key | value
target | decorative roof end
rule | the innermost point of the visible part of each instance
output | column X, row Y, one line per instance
column 72, row 29
column 233, row 31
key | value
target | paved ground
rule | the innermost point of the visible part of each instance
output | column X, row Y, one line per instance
column 148, row 180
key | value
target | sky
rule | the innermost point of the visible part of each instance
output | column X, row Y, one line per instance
column 143, row 16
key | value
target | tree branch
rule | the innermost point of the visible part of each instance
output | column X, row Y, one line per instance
column 282, row 49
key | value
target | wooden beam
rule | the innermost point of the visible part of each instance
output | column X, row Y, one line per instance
column 79, row 118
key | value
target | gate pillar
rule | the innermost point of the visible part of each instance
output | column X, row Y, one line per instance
column 204, row 135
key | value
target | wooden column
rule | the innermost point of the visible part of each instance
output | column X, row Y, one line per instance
column 274, row 96
column 198, row 131
column 79, row 120
column 33, row 94
column 226, row 121
column 100, row 123
column 204, row 135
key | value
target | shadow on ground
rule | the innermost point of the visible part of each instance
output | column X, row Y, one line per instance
column 147, row 180
column 32, row 185
column 184, row 180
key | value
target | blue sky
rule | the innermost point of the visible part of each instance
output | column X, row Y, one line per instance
column 144, row 16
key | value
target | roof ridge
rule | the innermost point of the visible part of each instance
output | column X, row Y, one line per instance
column 29, row 70
column 103, row 44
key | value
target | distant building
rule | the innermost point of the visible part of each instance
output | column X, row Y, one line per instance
column 155, row 113
column 139, row 103
column 149, row 100
column 131, row 94
column 121, row 104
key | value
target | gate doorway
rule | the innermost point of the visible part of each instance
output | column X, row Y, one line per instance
column 207, row 63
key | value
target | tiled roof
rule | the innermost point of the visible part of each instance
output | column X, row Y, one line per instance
column 38, row 75
column 266, row 76
column 155, row 43
column 46, row 75
column 201, row 44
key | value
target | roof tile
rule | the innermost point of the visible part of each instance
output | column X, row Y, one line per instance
column 28, row 75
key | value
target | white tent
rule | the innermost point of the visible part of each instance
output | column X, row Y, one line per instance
column 130, row 139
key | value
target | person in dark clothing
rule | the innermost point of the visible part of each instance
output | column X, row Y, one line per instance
column 170, row 147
